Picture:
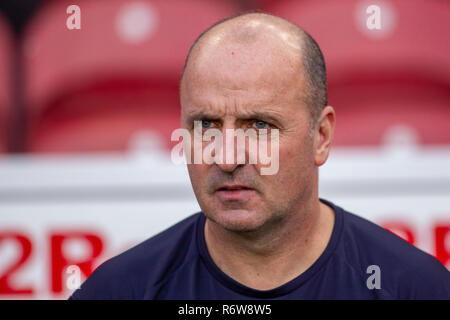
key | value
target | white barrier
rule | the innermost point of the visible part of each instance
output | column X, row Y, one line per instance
column 56, row 211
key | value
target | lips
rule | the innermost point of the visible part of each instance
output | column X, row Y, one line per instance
column 235, row 192
column 233, row 188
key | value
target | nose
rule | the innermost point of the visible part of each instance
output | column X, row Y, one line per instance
column 228, row 167
column 229, row 152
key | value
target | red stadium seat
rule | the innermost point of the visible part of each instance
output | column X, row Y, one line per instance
column 380, row 79
column 92, row 89
column 5, row 80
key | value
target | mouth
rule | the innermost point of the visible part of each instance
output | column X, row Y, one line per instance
column 233, row 188
column 234, row 192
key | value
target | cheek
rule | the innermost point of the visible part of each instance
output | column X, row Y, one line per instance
column 195, row 174
column 296, row 163
column 299, row 148
column 198, row 174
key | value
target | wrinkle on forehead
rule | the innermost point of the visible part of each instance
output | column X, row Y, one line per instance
column 256, row 53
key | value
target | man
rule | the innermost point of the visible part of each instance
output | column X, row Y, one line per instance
column 265, row 236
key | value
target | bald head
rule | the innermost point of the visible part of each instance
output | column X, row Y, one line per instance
column 257, row 41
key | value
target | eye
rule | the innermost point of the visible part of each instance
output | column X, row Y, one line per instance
column 206, row 124
column 261, row 124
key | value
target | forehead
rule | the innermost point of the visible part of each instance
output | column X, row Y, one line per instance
column 236, row 78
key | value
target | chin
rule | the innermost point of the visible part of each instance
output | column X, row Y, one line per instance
column 238, row 220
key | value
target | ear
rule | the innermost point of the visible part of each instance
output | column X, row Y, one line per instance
column 323, row 135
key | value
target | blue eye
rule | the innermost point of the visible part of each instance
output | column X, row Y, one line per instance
column 261, row 124
column 206, row 124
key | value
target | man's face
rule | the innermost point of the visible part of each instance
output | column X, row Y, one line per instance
column 242, row 87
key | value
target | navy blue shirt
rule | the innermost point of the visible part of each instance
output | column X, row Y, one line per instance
column 175, row 264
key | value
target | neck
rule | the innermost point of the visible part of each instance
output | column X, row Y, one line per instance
column 279, row 252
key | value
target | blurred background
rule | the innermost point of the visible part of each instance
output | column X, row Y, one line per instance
column 89, row 99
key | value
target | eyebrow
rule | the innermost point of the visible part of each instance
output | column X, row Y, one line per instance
column 198, row 115
column 261, row 116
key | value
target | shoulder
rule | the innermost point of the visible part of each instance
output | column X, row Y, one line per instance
column 129, row 274
column 405, row 271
